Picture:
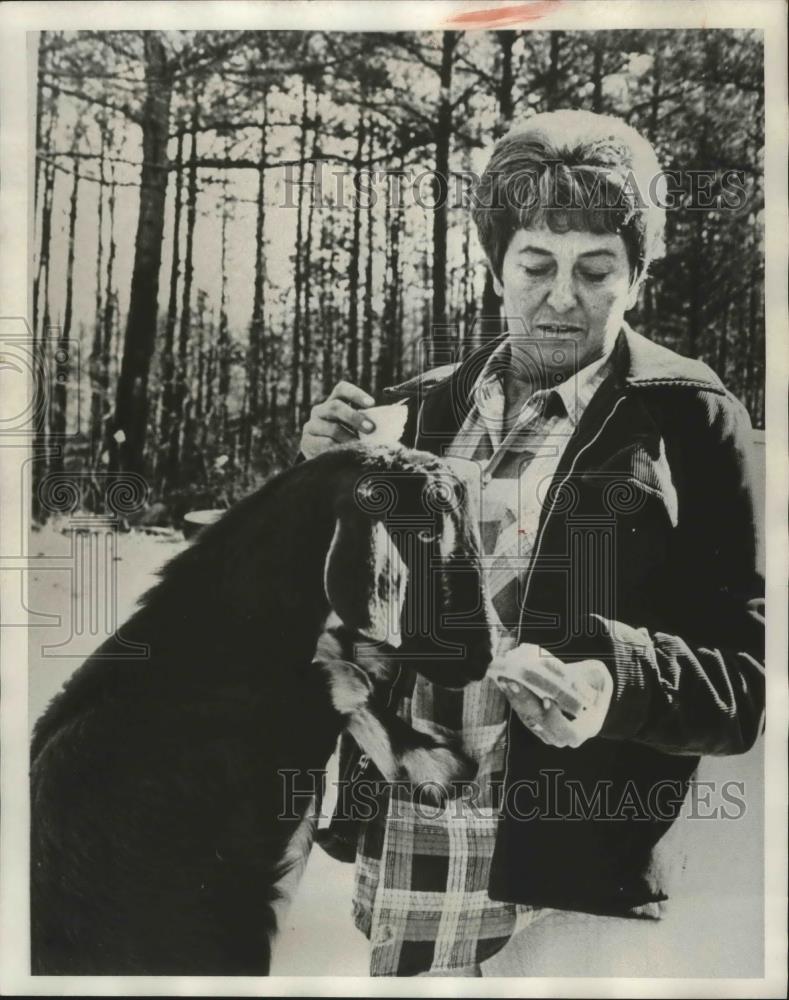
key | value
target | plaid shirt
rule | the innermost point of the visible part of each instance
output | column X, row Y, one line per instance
column 421, row 879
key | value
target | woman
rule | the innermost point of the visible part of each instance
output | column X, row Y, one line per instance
column 617, row 513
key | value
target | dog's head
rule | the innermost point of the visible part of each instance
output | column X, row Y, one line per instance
column 403, row 567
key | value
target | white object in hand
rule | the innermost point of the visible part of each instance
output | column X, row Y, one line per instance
column 544, row 677
column 389, row 424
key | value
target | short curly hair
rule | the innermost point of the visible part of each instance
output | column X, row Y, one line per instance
column 572, row 170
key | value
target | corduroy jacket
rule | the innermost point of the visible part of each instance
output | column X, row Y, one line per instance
column 646, row 558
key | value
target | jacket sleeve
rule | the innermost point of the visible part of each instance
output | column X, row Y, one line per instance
column 697, row 687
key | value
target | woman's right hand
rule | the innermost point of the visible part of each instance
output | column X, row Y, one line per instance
column 336, row 420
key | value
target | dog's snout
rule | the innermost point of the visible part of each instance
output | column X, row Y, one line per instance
column 479, row 656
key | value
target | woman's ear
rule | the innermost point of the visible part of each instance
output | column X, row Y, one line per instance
column 365, row 578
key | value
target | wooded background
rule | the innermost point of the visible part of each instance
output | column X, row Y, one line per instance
column 220, row 235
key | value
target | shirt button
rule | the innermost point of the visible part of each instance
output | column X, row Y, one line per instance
column 385, row 933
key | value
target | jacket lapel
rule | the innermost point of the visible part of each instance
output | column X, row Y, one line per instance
column 441, row 409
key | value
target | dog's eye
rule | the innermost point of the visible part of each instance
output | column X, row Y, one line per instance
column 426, row 536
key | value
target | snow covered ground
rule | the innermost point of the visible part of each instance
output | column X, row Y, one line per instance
column 715, row 924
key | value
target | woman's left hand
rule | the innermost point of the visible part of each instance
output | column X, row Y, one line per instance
column 589, row 681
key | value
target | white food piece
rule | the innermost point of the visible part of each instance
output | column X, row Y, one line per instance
column 389, row 423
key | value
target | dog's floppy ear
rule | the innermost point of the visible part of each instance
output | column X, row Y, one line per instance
column 365, row 578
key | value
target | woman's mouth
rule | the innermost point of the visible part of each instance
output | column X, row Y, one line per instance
column 558, row 329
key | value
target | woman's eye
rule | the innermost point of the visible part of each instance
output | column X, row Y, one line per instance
column 426, row 536
column 536, row 272
column 594, row 276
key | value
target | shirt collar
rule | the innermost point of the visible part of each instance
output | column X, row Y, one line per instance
column 575, row 392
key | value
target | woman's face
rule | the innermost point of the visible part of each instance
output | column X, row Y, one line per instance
column 572, row 287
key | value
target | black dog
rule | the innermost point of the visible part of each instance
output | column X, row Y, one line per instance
column 157, row 837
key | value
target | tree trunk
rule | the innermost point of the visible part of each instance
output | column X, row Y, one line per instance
column 222, row 355
column 367, row 323
column 49, row 179
column 186, row 323
column 60, row 399
column 395, row 337
column 655, row 97
column 41, row 71
column 488, row 323
column 327, row 307
column 168, row 418
column 384, row 365
column 468, row 314
column 506, row 41
column 597, row 73
column 426, row 308
column 353, row 264
column 398, row 347
column 552, row 82
column 388, row 353
column 307, row 360
column 110, row 317
column 443, row 137
column 210, row 381
column 42, row 271
column 256, row 345
column 95, row 352
column 192, row 458
column 295, row 360
column 40, row 342
column 200, row 374
column 131, row 406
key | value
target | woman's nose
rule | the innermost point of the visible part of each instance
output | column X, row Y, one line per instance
column 561, row 296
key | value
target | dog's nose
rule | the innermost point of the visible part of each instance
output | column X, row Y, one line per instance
column 479, row 655
column 471, row 665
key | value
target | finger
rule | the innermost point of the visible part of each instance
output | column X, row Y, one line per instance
column 572, row 697
column 352, row 394
column 560, row 682
column 559, row 730
column 340, row 411
column 527, row 706
column 328, row 430
column 599, row 679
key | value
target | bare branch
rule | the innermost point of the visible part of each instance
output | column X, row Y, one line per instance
column 470, row 67
column 243, row 163
column 121, row 109
column 414, row 49
column 82, row 73
column 229, row 124
column 464, row 95
column 84, row 177
column 385, row 108
column 111, row 40
column 192, row 60
column 87, row 156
